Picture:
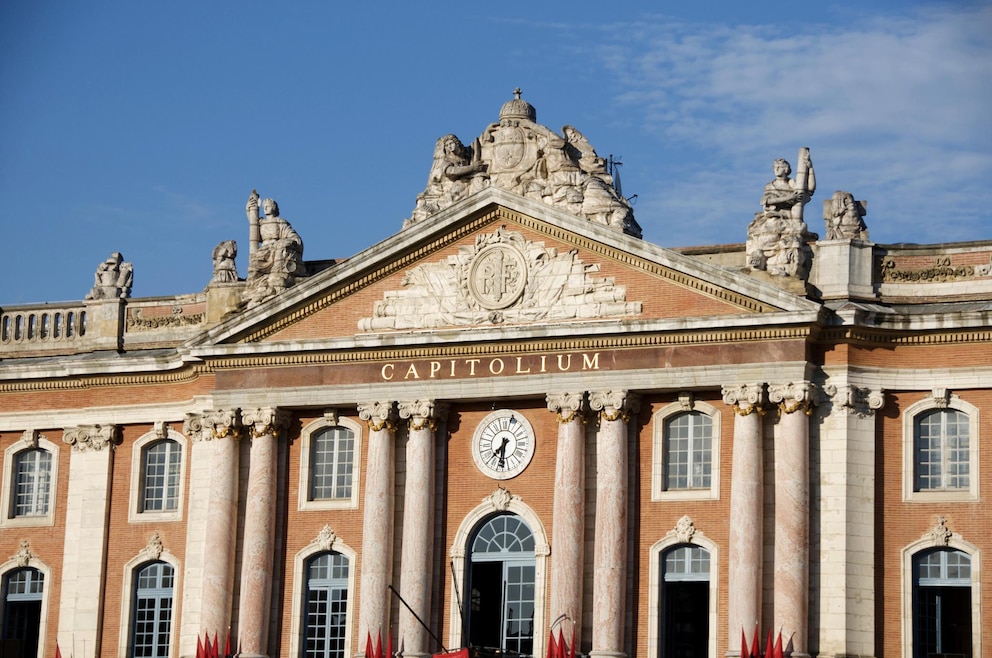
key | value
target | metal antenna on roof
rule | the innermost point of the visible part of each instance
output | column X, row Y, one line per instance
column 613, row 169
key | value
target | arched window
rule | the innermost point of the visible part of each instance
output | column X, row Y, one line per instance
column 501, row 586
column 942, row 610
column 161, row 476
column 686, row 451
column 332, row 462
column 32, row 483
column 941, row 449
column 325, row 620
column 23, row 590
column 685, row 605
column 151, row 612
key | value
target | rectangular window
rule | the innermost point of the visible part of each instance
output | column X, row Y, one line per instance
column 32, row 483
column 325, row 625
column 942, row 451
column 161, row 475
column 688, row 451
column 332, row 462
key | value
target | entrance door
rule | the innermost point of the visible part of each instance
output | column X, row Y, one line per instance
column 942, row 604
column 501, row 586
column 23, row 590
column 685, row 600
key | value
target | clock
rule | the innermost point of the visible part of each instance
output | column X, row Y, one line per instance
column 503, row 444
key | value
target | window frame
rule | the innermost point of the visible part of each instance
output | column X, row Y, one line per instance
column 308, row 436
column 136, row 508
column 659, row 459
column 13, row 565
column 7, row 497
column 301, row 563
column 910, row 419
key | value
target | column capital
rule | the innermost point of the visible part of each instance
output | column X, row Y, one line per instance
column 86, row 438
column 567, row 406
column 614, row 405
column 793, row 396
column 857, row 400
column 745, row 398
column 259, row 422
column 379, row 414
column 421, row 413
column 212, row 424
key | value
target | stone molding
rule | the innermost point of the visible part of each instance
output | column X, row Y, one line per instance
column 793, row 397
column 210, row 425
column 325, row 538
column 30, row 438
column 939, row 534
column 92, row 438
column 567, row 406
column 272, row 421
column 614, row 405
column 379, row 414
column 745, row 399
column 684, row 529
column 422, row 413
column 23, row 556
column 941, row 397
column 155, row 547
column 500, row 499
column 858, row 400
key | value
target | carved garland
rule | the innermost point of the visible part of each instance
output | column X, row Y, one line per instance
column 567, row 407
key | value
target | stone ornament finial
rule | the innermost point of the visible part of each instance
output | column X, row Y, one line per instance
column 522, row 156
column 225, row 268
column 939, row 534
column 614, row 405
column 325, row 538
column 379, row 414
column 422, row 413
column 113, row 279
column 567, row 406
column 793, row 397
column 265, row 421
column 91, row 438
column 23, row 556
column 745, row 399
column 844, row 217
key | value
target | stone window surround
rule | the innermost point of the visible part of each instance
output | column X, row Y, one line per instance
column 33, row 562
column 658, row 492
column 128, row 584
column 299, row 584
column 306, row 447
column 909, row 417
column 9, row 479
column 135, row 513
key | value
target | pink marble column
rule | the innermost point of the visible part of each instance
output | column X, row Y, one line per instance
column 792, row 512
column 418, row 522
column 568, row 525
column 264, row 426
column 746, row 499
column 377, row 533
column 609, row 578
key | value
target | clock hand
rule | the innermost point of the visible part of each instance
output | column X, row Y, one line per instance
column 502, row 451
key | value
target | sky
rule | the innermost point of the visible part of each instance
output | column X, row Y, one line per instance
column 142, row 127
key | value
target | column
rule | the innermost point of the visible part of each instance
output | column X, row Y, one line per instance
column 211, row 528
column 791, row 581
column 263, row 426
column 84, row 560
column 609, row 576
column 418, row 523
column 377, row 533
column 745, row 559
column 568, row 522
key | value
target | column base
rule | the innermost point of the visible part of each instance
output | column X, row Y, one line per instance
column 251, row 655
column 607, row 654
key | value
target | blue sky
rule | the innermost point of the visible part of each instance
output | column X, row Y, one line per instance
column 142, row 127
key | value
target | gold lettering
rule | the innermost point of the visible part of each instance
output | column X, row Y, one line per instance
column 390, row 367
column 520, row 371
column 544, row 363
column 452, row 367
column 471, row 366
column 492, row 367
column 590, row 364
column 412, row 371
column 435, row 368
column 568, row 363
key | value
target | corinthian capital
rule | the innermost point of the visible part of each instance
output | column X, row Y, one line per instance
column 793, row 397
column 566, row 406
column 380, row 414
column 422, row 413
column 209, row 425
column 613, row 405
column 265, row 421
column 94, row 438
column 745, row 398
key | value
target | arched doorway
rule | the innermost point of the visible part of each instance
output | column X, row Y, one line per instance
column 501, row 586
column 942, row 603
column 685, row 605
column 23, row 590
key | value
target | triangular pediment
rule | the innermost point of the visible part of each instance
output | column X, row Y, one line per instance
column 498, row 261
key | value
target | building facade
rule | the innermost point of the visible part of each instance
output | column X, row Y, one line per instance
column 514, row 417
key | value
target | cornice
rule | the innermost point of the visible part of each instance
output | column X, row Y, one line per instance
column 891, row 337
column 83, row 381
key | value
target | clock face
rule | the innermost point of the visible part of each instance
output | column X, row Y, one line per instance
column 503, row 444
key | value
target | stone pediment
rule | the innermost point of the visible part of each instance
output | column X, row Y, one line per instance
column 497, row 260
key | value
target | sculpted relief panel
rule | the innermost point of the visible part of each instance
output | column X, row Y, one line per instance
column 501, row 278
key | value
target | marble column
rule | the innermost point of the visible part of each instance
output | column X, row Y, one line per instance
column 791, row 581
column 568, row 522
column 610, row 574
column 416, row 559
column 212, row 524
column 264, row 426
column 745, row 557
column 85, row 556
column 377, row 532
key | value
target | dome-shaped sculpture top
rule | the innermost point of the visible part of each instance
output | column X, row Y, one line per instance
column 517, row 108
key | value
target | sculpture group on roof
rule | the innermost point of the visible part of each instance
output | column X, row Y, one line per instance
column 275, row 259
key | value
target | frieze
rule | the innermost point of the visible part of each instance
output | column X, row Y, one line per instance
column 493, row 366
column 137, row 322
column 941, row 271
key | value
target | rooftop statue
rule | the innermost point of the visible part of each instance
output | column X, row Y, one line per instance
column 275, row 259
column 777, row 237
column 113, row 279
column 225, row 269
column 522, row 156
column 844, row 217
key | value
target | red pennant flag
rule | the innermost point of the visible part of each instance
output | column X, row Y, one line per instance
column 552, row 651
column 368, row 646
column 755, row 652
column 199, row 647
column 227, row 643
column 571, row 649
column 777, row 651
column 389, row 645
column 744, row 652
column 561, row 644
column 58, row 652
column 216, row 646
column 378, row 645
column 768, row 644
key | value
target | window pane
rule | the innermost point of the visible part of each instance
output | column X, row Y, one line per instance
column 688, row 449
column 942, row 451
column 32, row 482
column 152, row 614
column 326, row 603
column 332, row 458
column 161, row 475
